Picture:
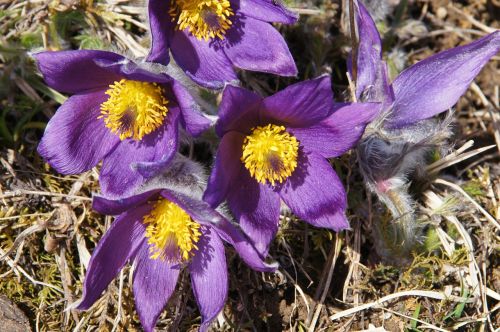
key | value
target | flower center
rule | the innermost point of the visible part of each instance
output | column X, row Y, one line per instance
column 172, row 234
column 270, row 153
column 204, row 19
column 134, row 109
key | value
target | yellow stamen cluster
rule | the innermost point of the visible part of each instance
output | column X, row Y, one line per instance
column 270, row 153
column 204, row 19
column 134, row 109
column 172, row 234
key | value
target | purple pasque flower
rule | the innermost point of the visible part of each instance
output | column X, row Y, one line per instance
column 397, row 143
column 120, row 112
column 208, row 39
column 276, row 148
column 163, row 231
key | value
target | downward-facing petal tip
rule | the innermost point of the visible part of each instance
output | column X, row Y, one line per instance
column 315, row 193
column 117, row 246
column 208, row 270
column 154, row 283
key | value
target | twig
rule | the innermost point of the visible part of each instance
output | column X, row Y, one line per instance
column 352, row 87
column 28, row 231
column 30, row 278
column 492, row 107
column 287, row 248
column 491, row 293
column 336, row 251
column 472, row 20
column 25, row 215
column 456, row 157
column 457, row 326
column 426, row 325
column 445, row 239
column 62, row 264
column 390, row 297
column 119, row 311
column 21, row 192
column 354, row 256
column 354, row 41
column 307, row 11
column 80, row 324
column 479, row 207
column 464, row 147
column 301, row 292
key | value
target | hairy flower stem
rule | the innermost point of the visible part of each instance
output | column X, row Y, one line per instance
column 397, row 237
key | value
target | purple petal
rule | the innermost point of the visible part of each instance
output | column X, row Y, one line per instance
column 76, row 71
column 114, row 207
column 226, row 169
column 257, row 208
column 75, row 140
column 204, row 62
column 209, row 277
column 202, row 212
column 433, row 85
column 272, row 54
column 268, row 11
column 118, row 177
column 243, row 246
column 301, row 104
column 315, row 194
column 369, row 52
column 192, row 118
column 154, row 283
column 117, row 246
column 339, row 132
column 161, row 28
column 238, row 110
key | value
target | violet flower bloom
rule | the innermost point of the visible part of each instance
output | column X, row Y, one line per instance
column 209, row 38
column 119, row 112
column 162, row 232
column 276, row 148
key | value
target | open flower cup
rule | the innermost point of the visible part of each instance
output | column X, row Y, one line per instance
column 120, row 112
column 276, row 148
column 162, row 232
column 208, row 39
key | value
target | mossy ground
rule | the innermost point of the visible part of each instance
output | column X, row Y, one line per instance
column 452, row 281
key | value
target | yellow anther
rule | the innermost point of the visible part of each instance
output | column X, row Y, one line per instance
column 172, row 234
column 134, row 109
column 270, row 154
column 204, row 19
